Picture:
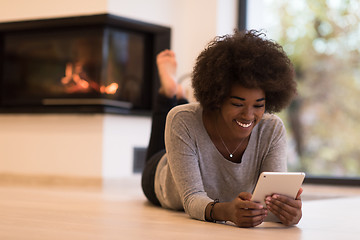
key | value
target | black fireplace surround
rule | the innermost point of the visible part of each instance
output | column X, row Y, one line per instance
column 84, row 64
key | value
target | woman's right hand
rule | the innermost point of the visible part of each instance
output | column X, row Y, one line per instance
column 245, row 213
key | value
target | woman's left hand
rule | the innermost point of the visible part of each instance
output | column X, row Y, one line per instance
column 288, row 210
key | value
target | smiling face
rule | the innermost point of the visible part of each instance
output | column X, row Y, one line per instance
column 242, row 111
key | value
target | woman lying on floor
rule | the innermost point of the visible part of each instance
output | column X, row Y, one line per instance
column 214, row 150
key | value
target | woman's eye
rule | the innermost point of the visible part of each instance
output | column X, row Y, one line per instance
column 259, row 106
column 237, row 104
column 241, row 105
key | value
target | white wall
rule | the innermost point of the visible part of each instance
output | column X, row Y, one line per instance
column 121, row 134
column 101, row 145
column 58, row 145
column 14, row 10
column 193, row 22
column 73, row 145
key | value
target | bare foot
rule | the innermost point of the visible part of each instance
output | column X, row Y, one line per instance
column 180, row 93
column 166, row 63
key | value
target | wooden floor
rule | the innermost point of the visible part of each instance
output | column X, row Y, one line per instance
column 118, row 210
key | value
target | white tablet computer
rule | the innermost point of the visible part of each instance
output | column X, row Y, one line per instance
column 284, row 183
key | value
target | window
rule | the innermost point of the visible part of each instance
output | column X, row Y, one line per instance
column 322, row 39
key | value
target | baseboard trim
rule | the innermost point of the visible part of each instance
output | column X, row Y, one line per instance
column 48, row 180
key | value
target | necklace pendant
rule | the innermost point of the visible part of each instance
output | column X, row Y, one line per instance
column 231, row 155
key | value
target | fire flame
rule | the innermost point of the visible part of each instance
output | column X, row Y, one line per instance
column 76, row 80
column 110, row 89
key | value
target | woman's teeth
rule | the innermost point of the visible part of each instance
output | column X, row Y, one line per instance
column 243, row 124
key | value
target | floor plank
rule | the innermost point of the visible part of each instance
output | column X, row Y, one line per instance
column 118, row 210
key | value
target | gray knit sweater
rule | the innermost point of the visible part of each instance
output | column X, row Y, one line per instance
column 193, row 172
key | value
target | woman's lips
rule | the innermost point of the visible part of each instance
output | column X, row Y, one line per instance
column 244, row 125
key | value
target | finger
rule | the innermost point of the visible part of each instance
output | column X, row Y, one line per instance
column 244, row 202
column 286, row 213
column 252, row 213
column 286, row 217
column 298, row 195
column 284, row 201
column 282, row 215
column 245, row 196
column 280, row 212
column 249, row 205
column 250, row 221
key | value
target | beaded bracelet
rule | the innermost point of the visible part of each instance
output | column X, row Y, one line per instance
column 211, row 210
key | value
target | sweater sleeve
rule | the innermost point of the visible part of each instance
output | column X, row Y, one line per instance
column 275, row 158
column 183, row 160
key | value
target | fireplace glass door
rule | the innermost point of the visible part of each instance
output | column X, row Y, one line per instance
column 93, row 65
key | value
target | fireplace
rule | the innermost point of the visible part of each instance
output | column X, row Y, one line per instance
column 85, row 64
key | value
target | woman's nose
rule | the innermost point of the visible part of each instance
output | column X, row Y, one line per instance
column 247, row 113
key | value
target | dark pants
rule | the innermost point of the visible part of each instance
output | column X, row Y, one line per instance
column 156, row 148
